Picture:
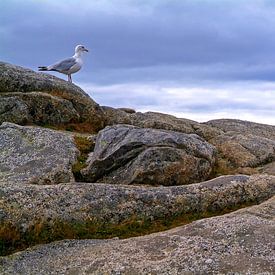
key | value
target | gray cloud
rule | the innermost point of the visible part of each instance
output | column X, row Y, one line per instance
column 188, row 44
column 249, row 100
column 130, row 34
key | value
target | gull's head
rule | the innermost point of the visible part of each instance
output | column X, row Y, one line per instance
column 80, row 49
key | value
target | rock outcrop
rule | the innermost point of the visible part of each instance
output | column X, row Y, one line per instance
column 37, row 108
column 160, row 121
column 243, row 127
column 134, row 161
column 246, row 150
column 35, row 155
column 244, row 147
column 237, row 243
column 45, row 99
column 130, row 155
column 43, row 213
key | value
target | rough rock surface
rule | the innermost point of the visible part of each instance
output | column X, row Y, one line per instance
column 15, row 79
column 36, row 108
column 238, row 243
column 156, row 149
column 42, row 213
column 243, row 127
column 160, row 121
column 132, row 155
column 35, row 155
column 243, row 147
column 246, row 150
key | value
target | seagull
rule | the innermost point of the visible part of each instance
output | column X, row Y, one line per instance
column 67, row 66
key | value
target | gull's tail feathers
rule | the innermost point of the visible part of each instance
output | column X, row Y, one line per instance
column 42, row 68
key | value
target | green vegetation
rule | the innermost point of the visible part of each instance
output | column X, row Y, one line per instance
column 85, row 146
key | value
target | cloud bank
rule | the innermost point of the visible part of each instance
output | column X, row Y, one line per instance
column 200, row 59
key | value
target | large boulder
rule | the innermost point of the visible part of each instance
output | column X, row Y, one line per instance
column 35, row 155
column 31, row 214
column 130, row 155
column 36, row 87
column 238, row 243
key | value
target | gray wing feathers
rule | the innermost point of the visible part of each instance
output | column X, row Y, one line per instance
column 64, row 65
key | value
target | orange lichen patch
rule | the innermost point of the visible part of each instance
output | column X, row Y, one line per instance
column 79, row 127
column 82, row 127
column 9, row 238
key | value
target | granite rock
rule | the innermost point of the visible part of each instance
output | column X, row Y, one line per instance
column 130, row 155
column 35, row 155
column 15, row 79
column 238, row 243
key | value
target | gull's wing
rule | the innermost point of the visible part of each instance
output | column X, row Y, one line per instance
column 64, row 65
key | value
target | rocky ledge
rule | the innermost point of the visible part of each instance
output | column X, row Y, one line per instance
column 237, row 243
column 106, row 173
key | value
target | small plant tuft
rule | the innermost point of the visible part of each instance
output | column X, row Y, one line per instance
column 85, row 146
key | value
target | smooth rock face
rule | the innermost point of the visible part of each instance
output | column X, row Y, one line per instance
column 241, row 243
column 15, row 79
column 131, row 155
column 35, row 155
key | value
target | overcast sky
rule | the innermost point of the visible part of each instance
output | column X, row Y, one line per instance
column 198, row 59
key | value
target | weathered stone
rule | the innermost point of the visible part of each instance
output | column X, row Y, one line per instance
column 35, row 214
column 160, row 121
column 35, row 155
column 115, row 116
column 268, row 168
column 172, row 123
column 241, row 242
column 36, row 108
column 15, row 79
column 245, row 150
column 127, row 110
column 243, row 127
column 14, row 109
column 131, row 155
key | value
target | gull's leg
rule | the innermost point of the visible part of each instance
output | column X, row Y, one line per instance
column 69, row 78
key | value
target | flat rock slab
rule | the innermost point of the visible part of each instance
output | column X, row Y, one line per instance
column 43, row 213
column 241, row 243
column 35, row 155
column 131, row 155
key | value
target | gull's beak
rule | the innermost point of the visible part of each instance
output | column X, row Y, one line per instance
column 85, row 50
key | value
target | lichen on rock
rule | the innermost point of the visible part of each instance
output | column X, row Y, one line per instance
column 35, row 155
column 131, row 155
